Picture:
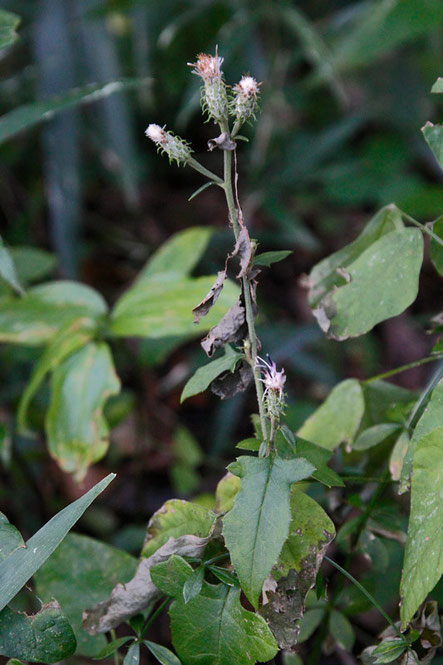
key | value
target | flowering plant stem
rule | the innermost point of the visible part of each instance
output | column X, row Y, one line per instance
column 229, row 194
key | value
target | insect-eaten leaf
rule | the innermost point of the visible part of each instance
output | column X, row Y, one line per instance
column 44, row 637
column 214, row 618
column 256, row 528
column 310, row 533
column 372, row 279
column 78, row 434
column 205, row 375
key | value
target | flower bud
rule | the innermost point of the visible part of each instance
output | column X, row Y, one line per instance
column 244, row 101
column 214, row 99
column 176, row 148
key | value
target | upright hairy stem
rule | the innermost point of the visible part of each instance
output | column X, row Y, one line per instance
column 245, row 283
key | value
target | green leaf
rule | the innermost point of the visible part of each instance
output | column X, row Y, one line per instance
column 224, row 575
column 32, row 263
column 163, row 655
column 310, row 533
column 323, row 277
column 29, row 115
column 341, row 630
column 438, row 85
column 10, row 538
column 133, row 655
column 174, row 519
column 69, row 339
column 7, row 267
column 435, row 249
column 179, row 255
column 252, row 444
column 77, row 432
column 225, row 493
column 268, row 258
column 431, row 418
column 398, row 454
column 193, row 584
column 20, row 566
column 37, row 316
column 338, row 418
column 162, row 307
column 434, row 138
column 112, row 647
column 381, row 283
column 45, row 637
column 309, row 623
column 215, row 618
column 319, row 457
column 81, row 572
column 9, row 22
column 205, row 375
column 258, row 524
column 423, row 563
column 374, row 435
column 389, row 650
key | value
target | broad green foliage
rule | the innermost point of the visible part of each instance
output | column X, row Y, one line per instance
column 160, row 302
column 434, row 138
column 161, row 306
column 338, row 418
column 423, row 564
column 176, row 518
column 179, row 255
column 310, row 533
column 44, row 637
column 81, row 572
column 65, row 342
column 323, row 276
column 29, row 115
column 258, row 524
column 78, row 434
column 37, row 316
column 9, row 22
column 214, row 619
column 23, row 563
column 319, row 457
column 205, row 375
column 381, row 283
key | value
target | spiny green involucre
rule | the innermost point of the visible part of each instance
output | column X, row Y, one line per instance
column 214, row 96
column 176, row 148
column 244, row 101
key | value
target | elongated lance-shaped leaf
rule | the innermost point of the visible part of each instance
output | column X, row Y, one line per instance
column 18, row 568
column 258, row 524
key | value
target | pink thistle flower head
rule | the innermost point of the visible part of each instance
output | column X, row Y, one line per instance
column 207, row 66
column 274, row 382
column 214, row 98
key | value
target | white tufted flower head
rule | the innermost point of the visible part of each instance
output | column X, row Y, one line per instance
column 176, row 148
column 274, row 383
column 244, row 101
column 214, row 99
